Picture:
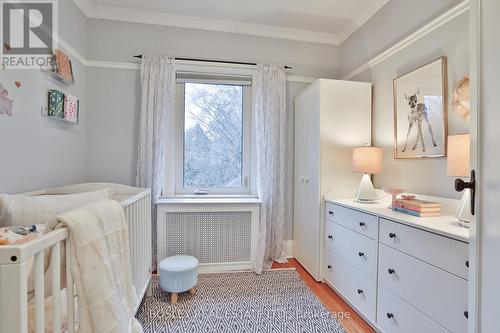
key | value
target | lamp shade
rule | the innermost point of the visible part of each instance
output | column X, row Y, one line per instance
column 459, row 155
column 367, row 159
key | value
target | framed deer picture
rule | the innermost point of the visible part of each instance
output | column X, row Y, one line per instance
column 420, row 112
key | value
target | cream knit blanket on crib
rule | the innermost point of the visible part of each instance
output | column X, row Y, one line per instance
column 100, row 265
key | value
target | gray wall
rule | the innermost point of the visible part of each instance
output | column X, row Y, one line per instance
column 119, row 41
column 395, row 21
column 113, row 130
column 114, row 102
column 420, row 176
column 36, row 151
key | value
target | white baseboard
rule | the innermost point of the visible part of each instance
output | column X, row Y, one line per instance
column 240, row 266
column 225, row 267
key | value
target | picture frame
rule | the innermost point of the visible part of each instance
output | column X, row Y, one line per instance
column 421, row 111
column 62, row 68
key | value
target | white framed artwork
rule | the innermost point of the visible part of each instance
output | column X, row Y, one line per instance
column 421, row 112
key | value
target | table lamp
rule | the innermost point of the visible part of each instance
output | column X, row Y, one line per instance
column 459, row 166
column 366, row 160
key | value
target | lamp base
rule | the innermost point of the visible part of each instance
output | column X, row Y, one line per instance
column 463, row 209
column 366, row 192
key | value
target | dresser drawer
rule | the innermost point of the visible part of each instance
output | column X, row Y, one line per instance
column 365, row 224
column 446, row 253
column 355, row 286
column 360, row 251
column 438, row 294
column 396, row 316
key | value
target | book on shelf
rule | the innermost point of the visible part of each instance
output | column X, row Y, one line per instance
column 415, row 213
column 416, row 208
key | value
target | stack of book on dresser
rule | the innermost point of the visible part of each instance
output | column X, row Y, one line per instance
column 416, row 207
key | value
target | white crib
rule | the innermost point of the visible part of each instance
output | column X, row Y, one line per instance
column 15, row 262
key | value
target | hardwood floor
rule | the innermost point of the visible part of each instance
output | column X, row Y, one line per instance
column 346, row 316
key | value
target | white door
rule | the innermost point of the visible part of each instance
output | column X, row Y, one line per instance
column 484, row 280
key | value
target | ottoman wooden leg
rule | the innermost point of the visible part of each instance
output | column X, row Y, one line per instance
column 173, row 298
column 192, row 291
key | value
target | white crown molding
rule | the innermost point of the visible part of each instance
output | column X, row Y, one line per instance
column 90, row 10
column 426, row 29
column 361, row 19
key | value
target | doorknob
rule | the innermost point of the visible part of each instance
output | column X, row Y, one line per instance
column 461, row 185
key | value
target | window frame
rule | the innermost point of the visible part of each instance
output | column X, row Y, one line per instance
column 177, row 182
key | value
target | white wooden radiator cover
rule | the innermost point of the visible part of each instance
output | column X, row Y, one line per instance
column 221, row 236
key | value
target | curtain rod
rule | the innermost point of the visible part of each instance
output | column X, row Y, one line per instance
column 216, row 61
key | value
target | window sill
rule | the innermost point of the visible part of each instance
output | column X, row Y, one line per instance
column 208, row 199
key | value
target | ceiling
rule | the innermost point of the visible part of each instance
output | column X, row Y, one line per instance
column 319, row 21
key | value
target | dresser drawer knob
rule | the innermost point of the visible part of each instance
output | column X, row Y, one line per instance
column 331, row 213
column 361, row 254
column 330, row 237
column 362, row 224
column 390, row 315
column 466, row 314
column 467, row 263
column 391, row 271
column 360, row 291
column 392, row 235
column 329, row 266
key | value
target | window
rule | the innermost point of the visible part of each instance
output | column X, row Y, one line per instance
column 214, row 136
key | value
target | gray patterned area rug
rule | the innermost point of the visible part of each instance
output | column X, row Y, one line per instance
column 276, row 301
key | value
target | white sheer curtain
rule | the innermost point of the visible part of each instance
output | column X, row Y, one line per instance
column 158, row 93
column 272, row 149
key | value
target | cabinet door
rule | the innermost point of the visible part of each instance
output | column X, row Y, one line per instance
column 307, row 203
column 299, row 228
column 313, row 148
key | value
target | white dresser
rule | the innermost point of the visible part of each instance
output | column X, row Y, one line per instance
column 402, row 273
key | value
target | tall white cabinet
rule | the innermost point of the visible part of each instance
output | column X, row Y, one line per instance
column 331, row 117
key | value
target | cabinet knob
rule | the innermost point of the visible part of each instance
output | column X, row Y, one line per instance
column 362, row 224
column 330, row 237
column 391, row 271
column 392, row 235
column 466, row 314
column 360, row 291
column 467, row 263
column 329, row 266
column 390, row 315
column 361, row 254
column 331, row 213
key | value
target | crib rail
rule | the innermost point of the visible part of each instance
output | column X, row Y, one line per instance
column 138, row 216
column 15, row 267
column 19, row 262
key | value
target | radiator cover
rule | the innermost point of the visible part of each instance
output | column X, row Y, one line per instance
column 211, row 237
